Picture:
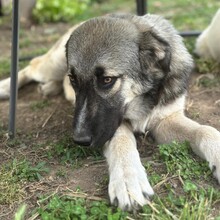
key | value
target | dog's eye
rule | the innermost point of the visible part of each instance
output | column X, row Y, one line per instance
column 106, row 82
column 71, row 77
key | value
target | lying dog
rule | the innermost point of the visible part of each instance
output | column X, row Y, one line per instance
column 207, row 44
column 129, row 74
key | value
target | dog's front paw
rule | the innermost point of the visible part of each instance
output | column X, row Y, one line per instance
column 5, row 88
column 216, row 172
column 208, row 142
column 214, row 161
column 50, row 88
column 129, row 188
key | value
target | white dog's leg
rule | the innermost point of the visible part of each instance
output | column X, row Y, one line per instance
column 204, row 140
column 128, row 185
column 68, row 90
column 48, row 69
column 207, row 44
column 23, row 78
column 50, row 88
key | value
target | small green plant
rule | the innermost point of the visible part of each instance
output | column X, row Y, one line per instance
column 24, row 170
column 59, row 10
column 4, row 67
column 209, row 82
column 70, row 153
column 195, row 204
column 62, row 173
column 19, row 215
column 40, row 105
column 179, row 159
column 10, row 189
column 207, row 66
column 78, row 208
column 13, row 174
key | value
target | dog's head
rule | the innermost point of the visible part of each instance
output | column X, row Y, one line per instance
column 111, row 61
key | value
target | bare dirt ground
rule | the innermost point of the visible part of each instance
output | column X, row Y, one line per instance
column 38, row 129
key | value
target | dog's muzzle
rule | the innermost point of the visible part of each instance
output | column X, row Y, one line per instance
column 82, row 139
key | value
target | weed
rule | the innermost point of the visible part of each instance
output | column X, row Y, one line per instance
column 154, row 177
column 187, row 201
column 194, row 205
column 23, row 170
column 34, row 52
column 14, row 142
column 12, row 176
column 25, row 42
column 4, row 67
column 39, row 105
column 68, row 153
column 78, row 208
column 19, row 215
column 2, row 130
column 207, row 66
column 61, row 172
column 53, row 11
column 209, row 82
column 10, row 189
column 186, row 14
column 179, row 159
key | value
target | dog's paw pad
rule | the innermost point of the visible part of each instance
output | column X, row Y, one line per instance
column 148, row 196
column 216, row 172
column 130, row 192
column 115, row 201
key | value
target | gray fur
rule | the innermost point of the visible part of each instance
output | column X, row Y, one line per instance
column 146, row 51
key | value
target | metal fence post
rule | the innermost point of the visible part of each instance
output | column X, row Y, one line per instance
column 141, row 7
column 14, row 69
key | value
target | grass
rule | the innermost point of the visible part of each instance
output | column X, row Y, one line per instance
column 64, row 207
column 35, row 106
column 4, row 67
column 67, row 153
column 180, row 194
column 180, row 180
column 186, row 14
column 180, row 160
column 14, row 174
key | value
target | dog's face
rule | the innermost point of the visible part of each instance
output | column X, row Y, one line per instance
column 104, row 58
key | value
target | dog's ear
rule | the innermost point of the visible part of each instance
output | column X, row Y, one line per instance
column 154, row 50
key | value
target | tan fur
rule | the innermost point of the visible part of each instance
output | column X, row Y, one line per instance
column 48, row 68
column 207, row 44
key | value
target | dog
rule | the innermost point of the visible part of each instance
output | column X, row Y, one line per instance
column 207, row 44
column 125, row 74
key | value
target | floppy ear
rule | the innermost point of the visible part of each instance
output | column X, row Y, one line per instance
column 154, row 50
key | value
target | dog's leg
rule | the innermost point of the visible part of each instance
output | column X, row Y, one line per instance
column 48, row 69
column 204, row 140
column 50, row 88
column 23, row 78
column 40, row 70
column 128, row 185
column 68, row 90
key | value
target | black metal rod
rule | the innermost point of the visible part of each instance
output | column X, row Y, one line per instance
column 14, row 69
column 190, row 33
column 141, row 7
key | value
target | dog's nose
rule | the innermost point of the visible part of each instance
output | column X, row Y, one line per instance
column 82, row 140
